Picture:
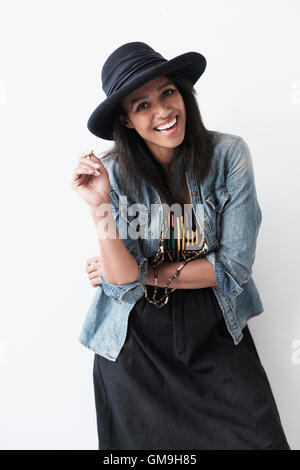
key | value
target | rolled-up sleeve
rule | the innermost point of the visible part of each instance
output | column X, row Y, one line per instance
column 240, row 221
column 132, row 291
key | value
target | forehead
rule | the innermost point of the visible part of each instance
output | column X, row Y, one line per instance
column 146, row 88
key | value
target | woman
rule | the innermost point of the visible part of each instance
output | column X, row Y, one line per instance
column 175, row 365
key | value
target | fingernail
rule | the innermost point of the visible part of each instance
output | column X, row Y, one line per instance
column 97, row 172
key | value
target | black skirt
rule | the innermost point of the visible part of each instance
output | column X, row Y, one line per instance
column 180, row 382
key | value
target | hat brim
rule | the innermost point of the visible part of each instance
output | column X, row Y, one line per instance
column 192, row 64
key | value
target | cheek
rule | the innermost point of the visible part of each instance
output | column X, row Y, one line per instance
column 180, row 104
column 183, row 110
column 140, row 123
column 144, row 127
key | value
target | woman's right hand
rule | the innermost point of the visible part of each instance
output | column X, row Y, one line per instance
column 90, row 180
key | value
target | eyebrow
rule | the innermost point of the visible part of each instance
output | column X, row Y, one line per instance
column 146, row 96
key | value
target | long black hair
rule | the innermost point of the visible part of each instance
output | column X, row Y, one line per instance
column 136, row 162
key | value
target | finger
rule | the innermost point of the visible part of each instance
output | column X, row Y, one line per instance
column 90, row 269
column 79, row 178
column 82, row 169
column 85, row 154
column 92, row 158
column 99, row 161
column 96, row 160
column 91, row 163
column 94, row 275
column 92, row 260
column 86, row 166
column 95, row 258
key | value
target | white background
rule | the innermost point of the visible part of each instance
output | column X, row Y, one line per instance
column 51, row 58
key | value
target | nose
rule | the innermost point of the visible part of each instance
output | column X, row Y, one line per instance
column 161, row 110
column 161, row 115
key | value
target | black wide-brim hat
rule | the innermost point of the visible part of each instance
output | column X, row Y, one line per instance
column 129, row 67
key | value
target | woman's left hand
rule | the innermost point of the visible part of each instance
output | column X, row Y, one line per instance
column 93, row 269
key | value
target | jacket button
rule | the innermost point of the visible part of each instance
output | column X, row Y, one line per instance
column 233, row 291
column 195, row 193
column 205, row 223
column 116, row 298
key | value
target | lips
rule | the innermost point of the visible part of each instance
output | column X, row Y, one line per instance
column 168, row 128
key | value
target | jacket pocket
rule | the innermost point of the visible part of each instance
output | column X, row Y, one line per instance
column 215, row 202
column 217, row 198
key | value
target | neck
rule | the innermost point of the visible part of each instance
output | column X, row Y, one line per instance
column 165, row 156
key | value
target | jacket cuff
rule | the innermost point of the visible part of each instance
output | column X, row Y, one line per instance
column 225, row 281
column 130, row 292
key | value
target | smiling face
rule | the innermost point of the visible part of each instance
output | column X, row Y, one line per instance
column 153, row 105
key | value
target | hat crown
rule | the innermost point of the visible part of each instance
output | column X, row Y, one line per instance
column 122, row 64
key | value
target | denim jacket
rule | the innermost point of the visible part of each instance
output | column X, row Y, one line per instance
column 230, row 220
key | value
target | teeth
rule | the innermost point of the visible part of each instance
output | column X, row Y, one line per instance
column 162, row 128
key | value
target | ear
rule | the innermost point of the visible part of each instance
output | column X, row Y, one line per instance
column 125, row 121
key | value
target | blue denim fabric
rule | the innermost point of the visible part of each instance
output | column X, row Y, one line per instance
column 227, row 211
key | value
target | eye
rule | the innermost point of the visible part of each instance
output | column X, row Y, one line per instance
column 144, row 102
